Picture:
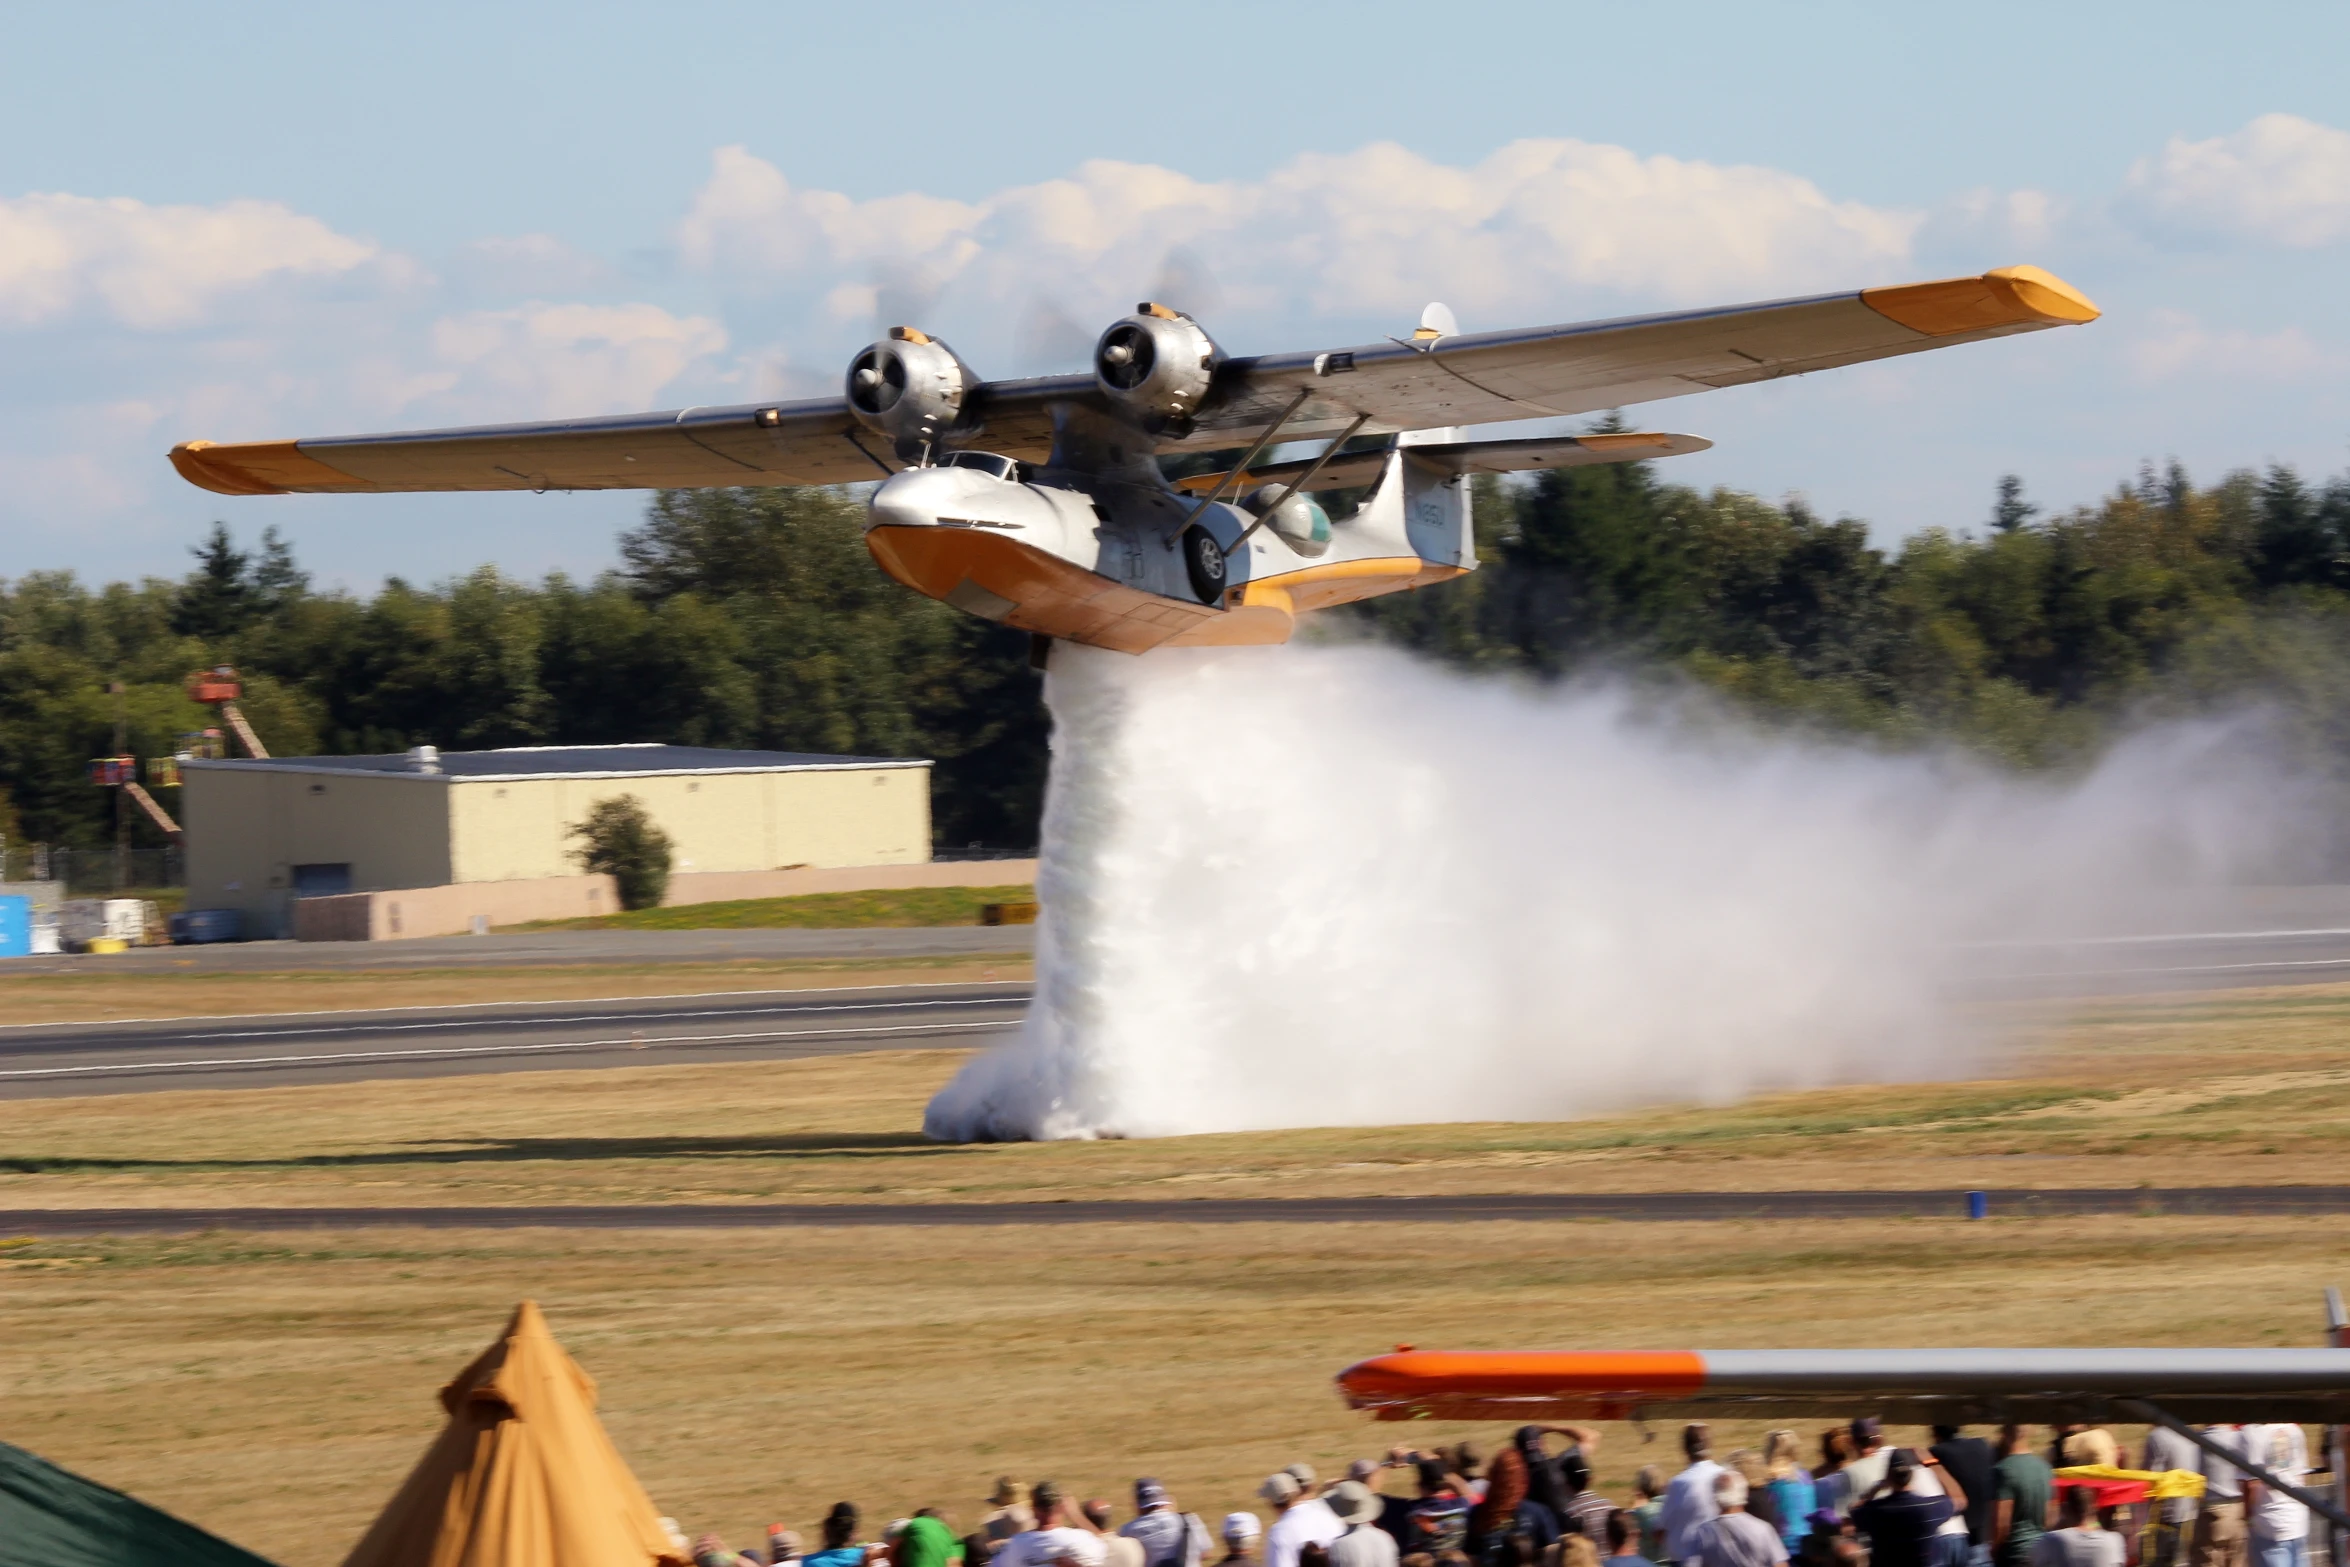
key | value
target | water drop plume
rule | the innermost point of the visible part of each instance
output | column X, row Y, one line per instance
column 1316, row 886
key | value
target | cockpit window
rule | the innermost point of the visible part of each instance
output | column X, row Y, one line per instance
column 984, row 462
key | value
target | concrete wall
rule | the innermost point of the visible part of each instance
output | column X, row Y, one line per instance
column 749, row 821
column 248, row 829
column 450, row 911
column 724, row 886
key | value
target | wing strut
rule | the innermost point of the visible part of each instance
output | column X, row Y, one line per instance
column 2316, row 1501
column 1253, row 452
column 1298, row 483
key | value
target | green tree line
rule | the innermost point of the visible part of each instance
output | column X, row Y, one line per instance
column 2033, row 638
column 756, row 618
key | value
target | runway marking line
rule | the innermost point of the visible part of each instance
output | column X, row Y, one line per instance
column 2116, row 941
column 476, row 1006
column 361, row 1056
column 875, row 1005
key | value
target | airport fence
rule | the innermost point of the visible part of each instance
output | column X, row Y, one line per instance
column 95, row 873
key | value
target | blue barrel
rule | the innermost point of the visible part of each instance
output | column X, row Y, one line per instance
column 16, row 926
column 196, row 927
column 1978, row 1205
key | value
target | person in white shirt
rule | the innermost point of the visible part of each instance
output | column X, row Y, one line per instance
column 2278, row 1525
column 1054, row 1542
column 1299, row 1520
column 1364, row 1544
column 1872, row 1457
column 1689, row 1498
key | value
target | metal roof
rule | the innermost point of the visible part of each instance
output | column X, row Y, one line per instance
column 563, row 761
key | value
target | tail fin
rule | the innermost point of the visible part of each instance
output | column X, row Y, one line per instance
column 1435, row 503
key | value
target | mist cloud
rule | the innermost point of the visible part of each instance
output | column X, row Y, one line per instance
column 1334, row 886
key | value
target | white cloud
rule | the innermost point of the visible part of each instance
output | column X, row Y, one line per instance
column 553, row 359
column 2183, row 346
column 2281, row 179
column 1378, row 230
column 154, row 267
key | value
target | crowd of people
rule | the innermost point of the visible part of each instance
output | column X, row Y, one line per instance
column 1845, row 1498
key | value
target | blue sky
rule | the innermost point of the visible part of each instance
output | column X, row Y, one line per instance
column 283, row 220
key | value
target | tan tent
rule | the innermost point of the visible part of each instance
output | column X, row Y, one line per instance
column 523, row 1474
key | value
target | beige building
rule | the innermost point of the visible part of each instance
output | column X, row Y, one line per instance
column 262, row 833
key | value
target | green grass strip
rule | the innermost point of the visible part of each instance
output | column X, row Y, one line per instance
column 897, row 907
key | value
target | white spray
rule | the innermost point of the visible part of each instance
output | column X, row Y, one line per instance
column 1337, row 886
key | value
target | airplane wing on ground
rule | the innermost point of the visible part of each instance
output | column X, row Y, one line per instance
column 1425, row 383
column 1904, row 1386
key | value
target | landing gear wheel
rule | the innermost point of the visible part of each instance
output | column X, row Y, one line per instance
column 1203, row 562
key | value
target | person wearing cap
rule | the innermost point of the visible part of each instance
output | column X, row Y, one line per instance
column 1058, row 1540
column 1241, row 1532
column 1364, row 1544
column 1906, row 1525
column 1298, row 1518
column 1168, row 1538
column 1012, row 1513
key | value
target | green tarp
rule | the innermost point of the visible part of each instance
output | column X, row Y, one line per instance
column 50, row 1518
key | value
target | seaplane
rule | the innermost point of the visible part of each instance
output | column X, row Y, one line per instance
column 1043, row 503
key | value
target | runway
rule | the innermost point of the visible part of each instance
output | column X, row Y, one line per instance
column 1642, row 1207
column 48, row 1060
column 2138, row 965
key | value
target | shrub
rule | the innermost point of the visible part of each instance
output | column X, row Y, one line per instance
column 619, row 840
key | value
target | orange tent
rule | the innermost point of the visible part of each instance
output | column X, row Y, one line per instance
column 523, row 1474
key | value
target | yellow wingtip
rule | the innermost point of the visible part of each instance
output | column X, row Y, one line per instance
column 2009, row 296
column 258, row 468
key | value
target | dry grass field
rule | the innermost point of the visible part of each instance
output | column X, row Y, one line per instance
column 275, row 1388
column 94, row 994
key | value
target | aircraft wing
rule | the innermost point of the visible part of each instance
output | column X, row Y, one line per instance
column 1542, row 372
column 1521, row 455
column 1905, row 1386
column 813, row 442
column 1476, row 378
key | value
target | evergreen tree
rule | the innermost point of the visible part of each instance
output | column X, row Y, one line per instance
column 216, row 600
column 2011, row 511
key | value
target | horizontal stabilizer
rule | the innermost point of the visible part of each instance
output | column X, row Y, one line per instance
column 1352, row 469
column 1905, row 1386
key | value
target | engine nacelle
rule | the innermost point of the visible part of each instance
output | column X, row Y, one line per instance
column 909, row 387
column 1155, row 366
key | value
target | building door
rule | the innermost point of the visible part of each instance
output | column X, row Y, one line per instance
column 321, row 881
